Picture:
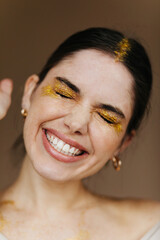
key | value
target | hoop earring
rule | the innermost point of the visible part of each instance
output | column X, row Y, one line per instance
column 117, row 163
column 24, row 113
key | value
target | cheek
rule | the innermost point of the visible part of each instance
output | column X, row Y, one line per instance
column 105, row 140
column 43, row 110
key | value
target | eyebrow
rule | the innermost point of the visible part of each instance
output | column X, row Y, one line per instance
column 111, row 108
column 107, row 107
column 69, row 84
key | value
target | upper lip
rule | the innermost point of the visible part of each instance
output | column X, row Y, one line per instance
column 65, row 139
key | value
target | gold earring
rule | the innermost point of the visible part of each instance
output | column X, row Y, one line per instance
column 117, row 163
column 24, row 113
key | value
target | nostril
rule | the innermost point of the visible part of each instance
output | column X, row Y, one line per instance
column 78, row 132
column 76, row 122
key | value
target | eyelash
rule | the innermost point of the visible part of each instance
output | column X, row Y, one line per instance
column 62, row 95
column 106, row 120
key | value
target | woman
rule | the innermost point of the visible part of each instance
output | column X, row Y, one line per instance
column 80, row 112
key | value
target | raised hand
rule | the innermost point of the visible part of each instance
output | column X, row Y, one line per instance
column 6, row 87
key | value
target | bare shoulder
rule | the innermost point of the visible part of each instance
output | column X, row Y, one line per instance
column 127, row 216
column 131, row 212
column 141, row 215
column 140, row 208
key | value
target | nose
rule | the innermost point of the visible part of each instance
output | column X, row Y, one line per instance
column 78, row 120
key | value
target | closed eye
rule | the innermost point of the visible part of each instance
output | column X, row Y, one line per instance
column 64, row 96
column 107, row 120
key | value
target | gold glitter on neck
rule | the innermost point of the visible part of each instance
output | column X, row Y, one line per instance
column 7, row 202
column 3, row 221
column 122, row 49
column 83, row 234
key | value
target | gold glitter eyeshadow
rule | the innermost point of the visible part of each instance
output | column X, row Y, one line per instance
column 58, row 88
column 63, row 89
column 111, row 120
column 122, row 49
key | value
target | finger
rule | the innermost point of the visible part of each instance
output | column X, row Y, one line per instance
column 5, row 101
column 6, row 86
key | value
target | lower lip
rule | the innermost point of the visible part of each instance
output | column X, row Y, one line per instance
column 57, row 155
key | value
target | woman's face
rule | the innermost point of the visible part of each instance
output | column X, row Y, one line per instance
column 78, row 115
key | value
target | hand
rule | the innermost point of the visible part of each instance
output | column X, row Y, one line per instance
column 6, row 87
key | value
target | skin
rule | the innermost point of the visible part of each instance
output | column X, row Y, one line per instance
column 48, row 194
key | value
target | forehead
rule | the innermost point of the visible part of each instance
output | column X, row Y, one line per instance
column 99, row 77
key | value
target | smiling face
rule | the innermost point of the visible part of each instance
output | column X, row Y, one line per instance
column 78, row 115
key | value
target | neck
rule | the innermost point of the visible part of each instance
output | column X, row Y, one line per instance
column 33, row 191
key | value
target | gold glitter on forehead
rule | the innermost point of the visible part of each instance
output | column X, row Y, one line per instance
column 122, row 49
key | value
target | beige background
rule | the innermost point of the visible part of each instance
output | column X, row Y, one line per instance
column 31, row 30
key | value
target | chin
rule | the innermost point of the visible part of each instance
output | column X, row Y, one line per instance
column 54, row 166
column 50, row 171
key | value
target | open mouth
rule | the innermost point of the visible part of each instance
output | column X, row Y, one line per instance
column 65, row 150
column 62, row 146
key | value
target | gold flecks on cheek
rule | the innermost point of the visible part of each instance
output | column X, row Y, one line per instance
column 118, row 127
column 110, row 120
column 48, row 91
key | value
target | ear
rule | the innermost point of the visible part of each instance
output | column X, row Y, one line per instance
column 126, row 142
column 29, row 88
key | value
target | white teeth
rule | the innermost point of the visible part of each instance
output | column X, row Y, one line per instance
column 51, row 138
column 60, row 144
column 55, row 141
column 77, row 151
column 72, row 150
column 48, row 136
column 55, row 146
column 66, row 148
column 63, row 147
